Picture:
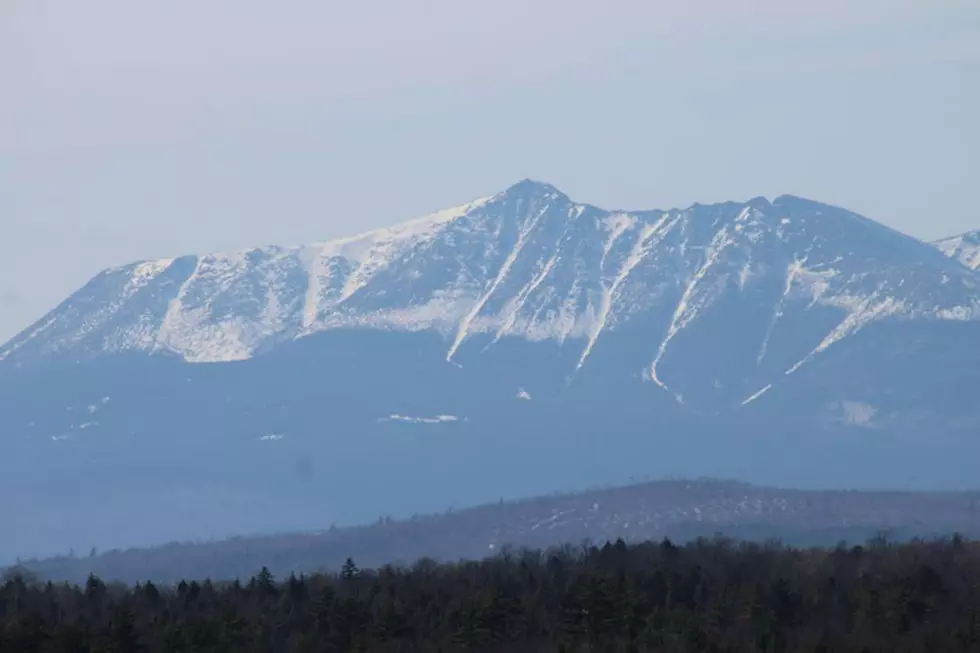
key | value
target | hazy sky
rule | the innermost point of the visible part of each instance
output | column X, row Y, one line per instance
column 141, row 129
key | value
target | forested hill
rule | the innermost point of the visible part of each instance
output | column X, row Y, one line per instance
column 682, row 510
column 711, row 595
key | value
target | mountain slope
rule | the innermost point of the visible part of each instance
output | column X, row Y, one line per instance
column 519, row 344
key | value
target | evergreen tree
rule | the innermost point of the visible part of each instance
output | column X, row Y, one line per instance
column 349, row 569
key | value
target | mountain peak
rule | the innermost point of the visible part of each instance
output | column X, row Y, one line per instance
column 533, row 187
column 972, row 237
column 796, row 201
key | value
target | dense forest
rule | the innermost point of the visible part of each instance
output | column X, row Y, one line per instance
column 708, row 595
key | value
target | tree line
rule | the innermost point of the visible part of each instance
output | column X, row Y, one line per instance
column 714, row 595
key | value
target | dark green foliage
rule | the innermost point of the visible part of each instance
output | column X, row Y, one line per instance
column 710, row 595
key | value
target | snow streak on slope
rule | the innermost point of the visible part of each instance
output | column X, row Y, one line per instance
column 748, row 400
column 501, row 274
column 649, row 237
column 867, row 310
column 518, row 303
column 687, row 308
column 792, row 271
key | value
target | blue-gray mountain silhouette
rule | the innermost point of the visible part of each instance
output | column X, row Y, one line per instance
column 517, row 344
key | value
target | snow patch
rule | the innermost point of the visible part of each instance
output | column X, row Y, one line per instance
column 144, row 273
column 858, row 413
column 438, row 419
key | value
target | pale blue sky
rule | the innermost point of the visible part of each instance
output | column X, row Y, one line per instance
column 133, row 130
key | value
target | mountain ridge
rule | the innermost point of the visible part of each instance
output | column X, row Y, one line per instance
column 225, row 307
column 964, row 248
column 679, row 509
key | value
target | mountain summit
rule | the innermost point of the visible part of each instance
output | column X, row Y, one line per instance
column 523, row 336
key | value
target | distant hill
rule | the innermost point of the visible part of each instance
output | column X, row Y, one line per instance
column 681, row 510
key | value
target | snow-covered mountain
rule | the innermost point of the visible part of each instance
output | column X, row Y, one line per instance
column 965, row 248
column 522, row 336
column 530, row 263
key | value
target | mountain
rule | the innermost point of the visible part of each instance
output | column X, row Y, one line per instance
column 518, row 344
column 965, row 248
column 678, row 509
column 531, row 264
